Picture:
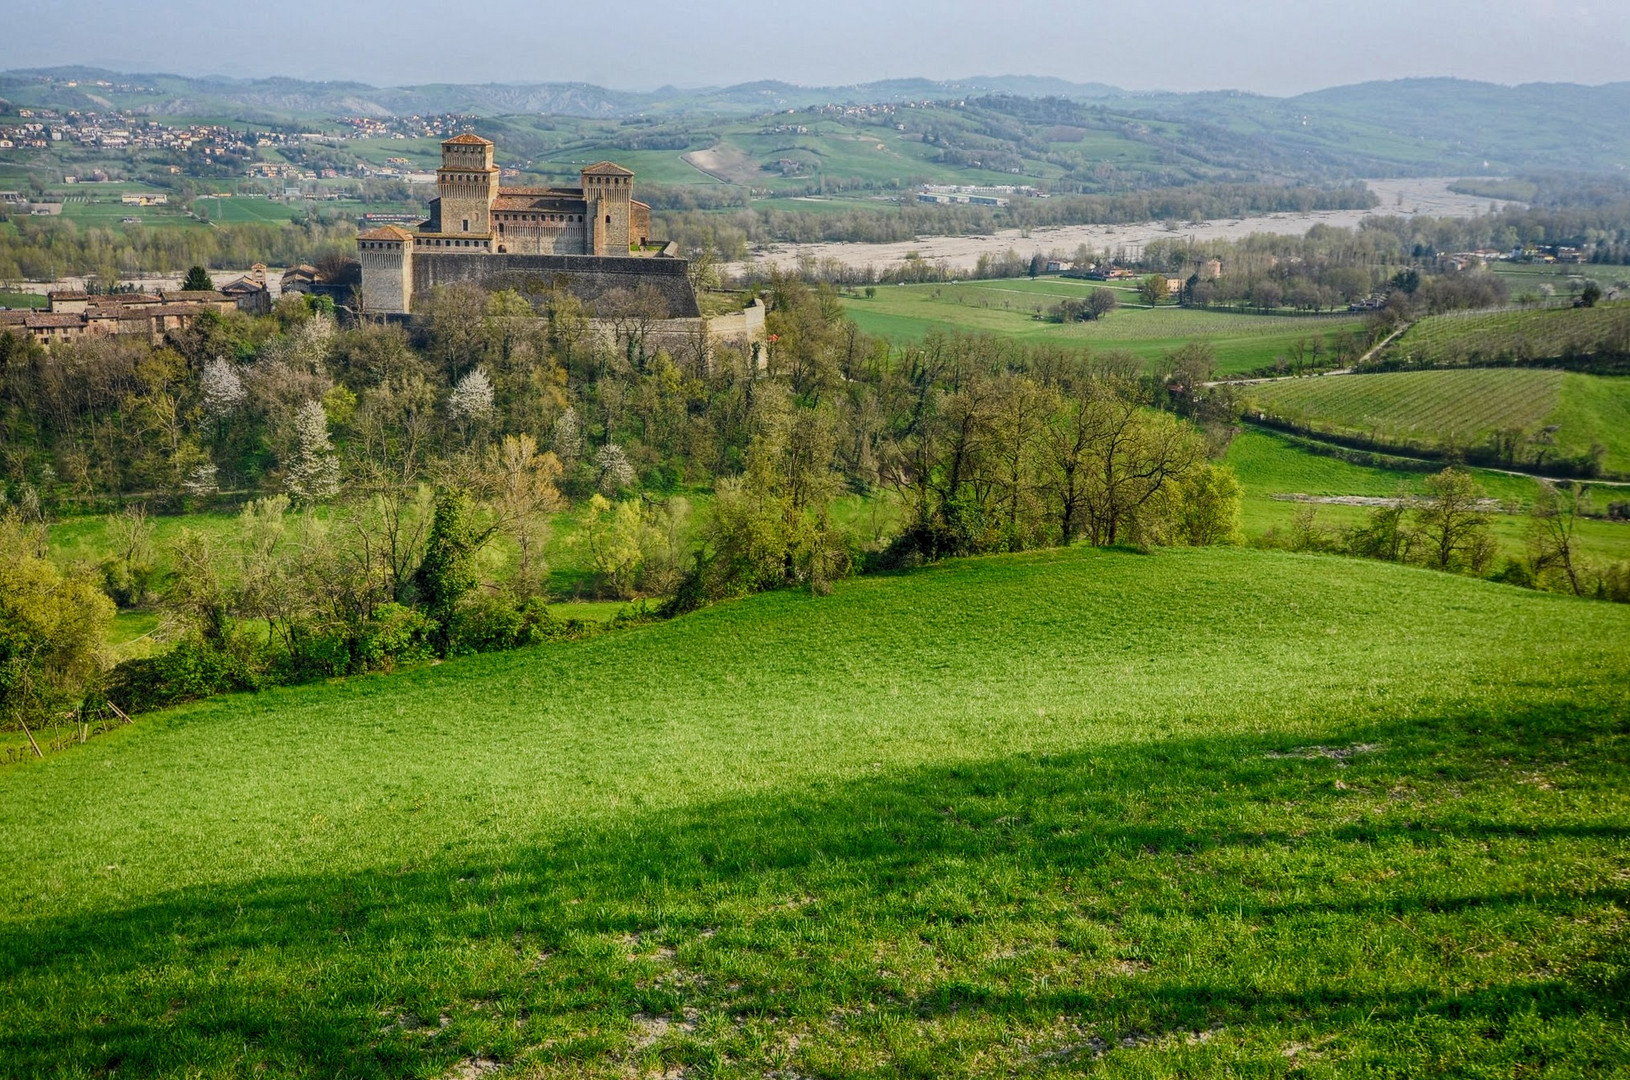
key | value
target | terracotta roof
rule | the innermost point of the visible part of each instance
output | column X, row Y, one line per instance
column 607, row 168
column 43, row 322
column 244, row 284
column 468, row 139
column 67, row 294
column 384, row 232
column 510, row 201
column 171, row 295
column 558, row 192
column 14, row 318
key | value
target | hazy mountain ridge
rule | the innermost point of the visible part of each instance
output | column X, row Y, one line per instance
column 1408, row 125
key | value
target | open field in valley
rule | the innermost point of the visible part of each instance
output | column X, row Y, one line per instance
column 1010, row 307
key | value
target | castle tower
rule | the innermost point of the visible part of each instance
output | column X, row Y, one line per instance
column 386, row 254
column 608, row 190
column 468, row 185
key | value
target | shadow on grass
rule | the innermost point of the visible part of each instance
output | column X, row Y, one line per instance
column 1163, row 887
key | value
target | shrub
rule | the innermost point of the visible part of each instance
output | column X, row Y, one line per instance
column 192, row 669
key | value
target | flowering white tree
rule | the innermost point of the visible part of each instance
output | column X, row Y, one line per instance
column 314, row 474
column 616, row 471
column 222, row 389
column 471, row 400
column 202, row 480
column 568, row 439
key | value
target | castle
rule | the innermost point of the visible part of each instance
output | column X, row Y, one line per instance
column 589, row 239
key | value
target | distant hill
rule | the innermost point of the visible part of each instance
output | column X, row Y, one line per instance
column 1446, row 126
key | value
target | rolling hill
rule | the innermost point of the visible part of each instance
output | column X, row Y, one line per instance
column 1074, row 811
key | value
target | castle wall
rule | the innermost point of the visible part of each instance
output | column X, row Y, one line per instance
column 560, row 237
column 587, row 277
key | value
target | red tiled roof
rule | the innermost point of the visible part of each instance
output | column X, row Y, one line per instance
column 384, row 232
column 607, row 168
column 468, row 139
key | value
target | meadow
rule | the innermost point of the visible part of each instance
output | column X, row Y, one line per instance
column 1070, row 813
column 1461, row 406
column 1010, row 307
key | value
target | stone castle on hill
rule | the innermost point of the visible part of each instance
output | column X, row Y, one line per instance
column 590, row 240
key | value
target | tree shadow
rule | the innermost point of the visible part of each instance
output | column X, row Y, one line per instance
column 1112, row 865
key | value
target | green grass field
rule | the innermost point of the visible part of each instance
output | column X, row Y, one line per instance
column 1477, row 337
column 1462, row 406
column 1269, row 465
column 1009, row 307
column 1197, row 813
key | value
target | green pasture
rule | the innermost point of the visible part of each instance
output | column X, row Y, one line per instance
column 1196, row 813
column 1011, row 307
column 1270, row 465
column 236, row 211
column 22, row 300
column 1461, row 406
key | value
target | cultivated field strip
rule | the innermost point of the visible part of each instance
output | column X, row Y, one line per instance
column 1428, row 407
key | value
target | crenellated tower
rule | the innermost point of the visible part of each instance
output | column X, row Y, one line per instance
column 609, row 191
column 468, row 185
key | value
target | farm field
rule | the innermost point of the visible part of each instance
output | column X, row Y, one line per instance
column 1082, row 811
column 1270, row 465
column 1476, row 337
column 1461, row 406
column 1009, row 307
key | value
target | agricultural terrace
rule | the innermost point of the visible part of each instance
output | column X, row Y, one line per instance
column 1162, row 815
column 1469, row 338
column 1462, row 407
column 1015, row 308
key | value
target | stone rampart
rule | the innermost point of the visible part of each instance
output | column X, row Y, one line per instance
column 587, row 277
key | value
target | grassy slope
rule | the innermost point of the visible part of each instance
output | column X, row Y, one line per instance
column 994, row 818
column 1422, row 408
column 1243, row 342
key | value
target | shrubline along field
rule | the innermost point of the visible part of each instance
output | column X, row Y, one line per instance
column 1077, row 812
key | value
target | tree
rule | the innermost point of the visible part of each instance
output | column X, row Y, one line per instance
column 447, row 573
column 1209, row 506
column 471, row 401
column 1590, row 295
column 52, row 624
column 616, row 472
column 1451, row 522
column 522, row 483
column 197, row 280
column 1551, row 527
column 1153, row 289
column 1101, row 302
column 314, row 474
column 567, row 440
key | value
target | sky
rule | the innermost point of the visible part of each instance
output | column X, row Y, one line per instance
column 1277, row 47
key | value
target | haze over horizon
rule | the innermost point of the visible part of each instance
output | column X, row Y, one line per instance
column 1277, row 47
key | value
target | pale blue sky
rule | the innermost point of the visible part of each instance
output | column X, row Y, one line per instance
column 1269, row 46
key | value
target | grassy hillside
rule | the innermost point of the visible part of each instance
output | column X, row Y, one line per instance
column 1475, row 337
column 1461, row 406
column 1010, row 307
column 1075, row 811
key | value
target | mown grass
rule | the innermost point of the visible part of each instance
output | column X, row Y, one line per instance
column 1009, row 307
column 1461, row 406
column 1075, row 812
